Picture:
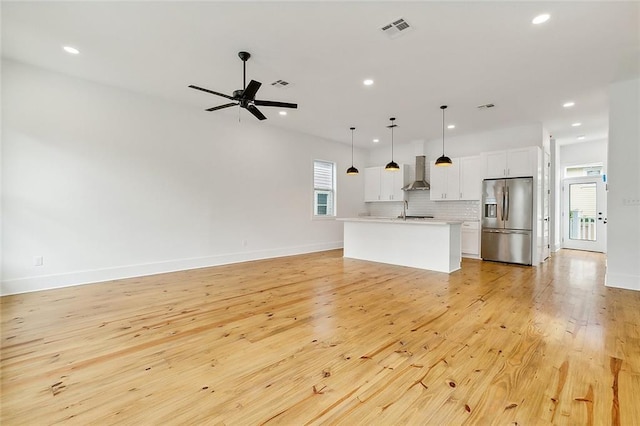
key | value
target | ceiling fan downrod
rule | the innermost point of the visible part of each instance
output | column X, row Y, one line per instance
column 244, row 56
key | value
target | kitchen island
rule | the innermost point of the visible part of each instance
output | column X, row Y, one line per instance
column 419, row 243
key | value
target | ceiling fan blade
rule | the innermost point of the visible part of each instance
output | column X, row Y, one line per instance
column 210, row 91
column 215, row 108
column 275, row 104
column 250, row 91
column 253, row 110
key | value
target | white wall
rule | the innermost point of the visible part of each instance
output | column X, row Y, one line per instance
column 105, row 183
column 623, row 227
column 584, row 153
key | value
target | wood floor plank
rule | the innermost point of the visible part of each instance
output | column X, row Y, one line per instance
column 319, row 339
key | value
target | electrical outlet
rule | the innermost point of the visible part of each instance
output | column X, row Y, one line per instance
column 631, row 201
column 38, row 261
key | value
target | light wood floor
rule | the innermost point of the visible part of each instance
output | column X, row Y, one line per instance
column 318, row 339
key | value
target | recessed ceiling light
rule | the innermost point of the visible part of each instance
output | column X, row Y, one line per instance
column 581, row 137
column 376, row 140
column 368, row 82
column 577, row 124
column 451, row 126
column 71, row 50
column 283, row 112
column 568, row 104
column 541, row 19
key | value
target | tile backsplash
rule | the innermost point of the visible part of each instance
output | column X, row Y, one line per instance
column 420, row 204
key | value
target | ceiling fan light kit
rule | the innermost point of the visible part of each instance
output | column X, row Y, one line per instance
column 246, row 97
column 392, row 166
column 443, row 160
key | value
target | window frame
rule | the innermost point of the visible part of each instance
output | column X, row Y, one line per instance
column 331, row 192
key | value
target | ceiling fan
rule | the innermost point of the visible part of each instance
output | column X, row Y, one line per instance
column 245, row 97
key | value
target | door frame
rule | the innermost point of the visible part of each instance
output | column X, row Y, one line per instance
column 600, row 244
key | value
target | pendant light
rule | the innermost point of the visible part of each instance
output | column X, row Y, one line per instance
column 352, row 170
column 443, row 161
column 392, row 166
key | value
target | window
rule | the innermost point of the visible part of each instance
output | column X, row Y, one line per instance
column 324, row 188
column 579, row 171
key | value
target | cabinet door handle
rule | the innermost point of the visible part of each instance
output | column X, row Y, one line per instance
column 508, row 172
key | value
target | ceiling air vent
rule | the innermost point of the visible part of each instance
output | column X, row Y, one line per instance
column 280, row 83
column 396, row 28
column 485, row 106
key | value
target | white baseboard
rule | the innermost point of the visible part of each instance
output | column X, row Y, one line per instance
column 47, row 282
column 625, row 281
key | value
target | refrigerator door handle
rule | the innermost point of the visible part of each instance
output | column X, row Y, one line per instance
column 506, row 231
column 506, row 204
column 502, row 207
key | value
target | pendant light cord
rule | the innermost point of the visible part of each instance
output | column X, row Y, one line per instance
column 392, row 126
column 392, row 141
column 352, row 129
column 443, row 130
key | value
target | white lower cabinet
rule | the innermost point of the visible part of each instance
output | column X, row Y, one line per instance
column 470, row 233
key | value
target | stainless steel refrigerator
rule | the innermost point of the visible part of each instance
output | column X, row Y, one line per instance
column 507, row 220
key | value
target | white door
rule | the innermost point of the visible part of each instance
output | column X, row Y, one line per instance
column 584, row 214
column 546, row 191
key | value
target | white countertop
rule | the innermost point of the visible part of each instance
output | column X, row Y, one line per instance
column 410, row 221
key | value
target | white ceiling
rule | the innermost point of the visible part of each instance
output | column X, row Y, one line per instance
column 462, row 54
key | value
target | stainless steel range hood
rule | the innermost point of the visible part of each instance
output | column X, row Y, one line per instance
column 420, row 184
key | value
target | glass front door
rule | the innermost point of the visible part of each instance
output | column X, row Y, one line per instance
column 584, row 214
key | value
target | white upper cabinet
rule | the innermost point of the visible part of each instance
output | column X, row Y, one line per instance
column 372, row 184
column 511, row 163
column 445, row 181
column 460, row 181
column 382, row 185
column 470, row 178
